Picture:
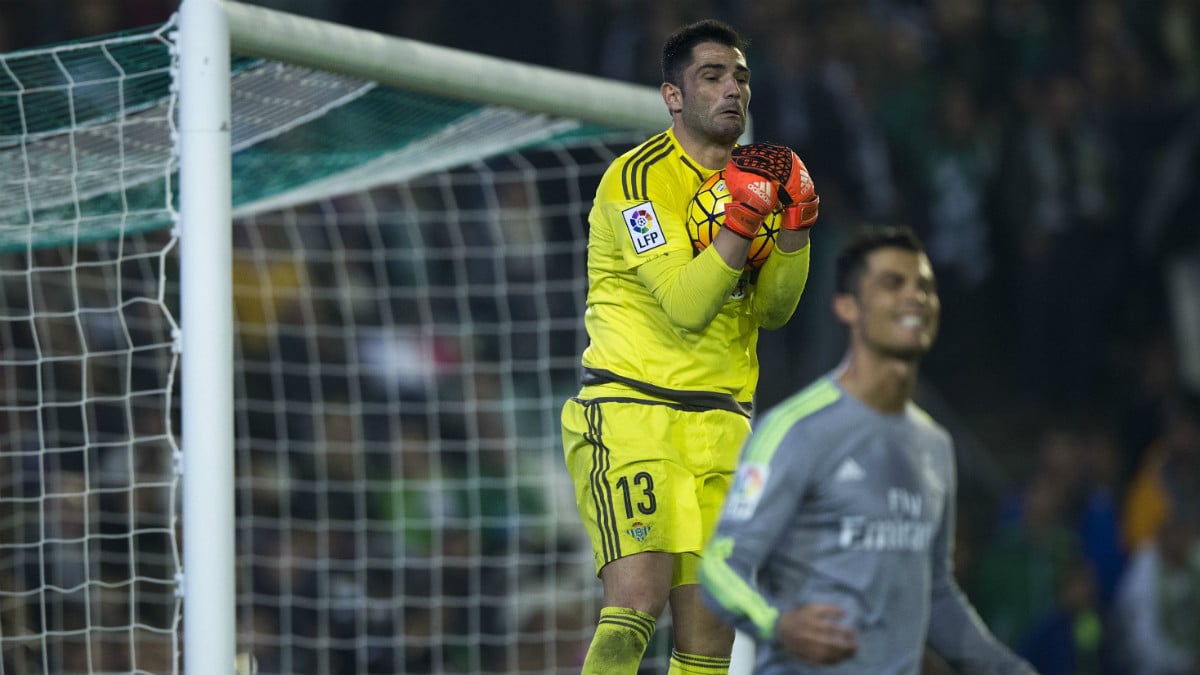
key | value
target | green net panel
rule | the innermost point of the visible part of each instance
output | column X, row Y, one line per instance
column 86, row 137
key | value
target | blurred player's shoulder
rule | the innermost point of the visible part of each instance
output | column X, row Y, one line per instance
column 921, row 417
column 817, row 396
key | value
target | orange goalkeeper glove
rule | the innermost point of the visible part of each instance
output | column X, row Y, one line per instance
column 753, row 195
column 802, row 215
column 778, row 163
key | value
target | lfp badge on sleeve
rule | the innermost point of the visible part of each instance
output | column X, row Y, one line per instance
column 643, row 227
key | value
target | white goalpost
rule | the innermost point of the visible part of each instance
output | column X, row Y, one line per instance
column 206, row 28
column 288, row 311
column 206, row 343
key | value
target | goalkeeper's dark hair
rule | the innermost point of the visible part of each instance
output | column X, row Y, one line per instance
column 852, row 260
column 677, row 50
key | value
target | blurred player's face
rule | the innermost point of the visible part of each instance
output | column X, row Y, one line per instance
column 897, row 304
column 715, row 93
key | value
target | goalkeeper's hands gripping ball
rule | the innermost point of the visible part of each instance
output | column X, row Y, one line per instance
column 753, row 195
column 779, row 163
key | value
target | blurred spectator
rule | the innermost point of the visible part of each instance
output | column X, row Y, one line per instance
column 950, row 177
column 1028, row 560
column 1156, row 618
column 1030, row 37
column 904, row 100
column 819, row 107
column 632, row 37
column 1099, row 510
column 963, row 47
column 1168, row 482
column 1154, row 377
column 1179, row 28
column 1068, row 639
column 426, row 507
column 1058, row 183
column 955, row 168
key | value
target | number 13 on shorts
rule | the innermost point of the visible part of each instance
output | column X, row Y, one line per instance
column 648, row 476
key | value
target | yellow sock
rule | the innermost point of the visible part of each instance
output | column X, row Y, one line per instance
column 695, row 664
column 620, row 640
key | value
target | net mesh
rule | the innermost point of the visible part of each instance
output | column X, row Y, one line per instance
column 88, row 549
column 408, row 279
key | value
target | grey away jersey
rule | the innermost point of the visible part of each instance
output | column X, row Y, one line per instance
column 835, row 503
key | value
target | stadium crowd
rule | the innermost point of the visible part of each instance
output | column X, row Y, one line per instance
column 1049, row 155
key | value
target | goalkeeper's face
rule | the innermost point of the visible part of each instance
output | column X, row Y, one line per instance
column 715, row 93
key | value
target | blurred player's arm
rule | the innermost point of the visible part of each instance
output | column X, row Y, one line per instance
column 757, row 509
column 956, row 632
column 764, row 498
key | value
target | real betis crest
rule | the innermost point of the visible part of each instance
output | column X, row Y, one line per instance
column 638, row 531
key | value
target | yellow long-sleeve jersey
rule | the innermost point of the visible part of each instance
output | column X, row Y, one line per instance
column 662, row 320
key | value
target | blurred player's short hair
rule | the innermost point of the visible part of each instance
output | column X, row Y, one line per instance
column 852, row 260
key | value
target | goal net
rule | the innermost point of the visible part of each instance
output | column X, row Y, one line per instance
column 408, row 273
column 88, row 545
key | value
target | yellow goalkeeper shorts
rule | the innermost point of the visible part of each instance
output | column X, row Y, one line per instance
column 649, row 476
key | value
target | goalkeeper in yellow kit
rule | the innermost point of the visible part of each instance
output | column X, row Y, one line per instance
column 652, row 438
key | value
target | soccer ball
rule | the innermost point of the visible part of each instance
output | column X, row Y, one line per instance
column 706, row 215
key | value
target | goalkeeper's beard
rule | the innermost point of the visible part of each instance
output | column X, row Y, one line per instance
column 713, row 130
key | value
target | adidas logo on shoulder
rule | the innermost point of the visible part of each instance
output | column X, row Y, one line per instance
column 850, row 470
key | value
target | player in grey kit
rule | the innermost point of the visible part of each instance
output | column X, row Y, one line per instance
column 834, row 546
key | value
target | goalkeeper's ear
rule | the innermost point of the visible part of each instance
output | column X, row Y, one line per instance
column 673, row 97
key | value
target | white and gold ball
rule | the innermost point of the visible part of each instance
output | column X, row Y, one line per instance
column 706, row 215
